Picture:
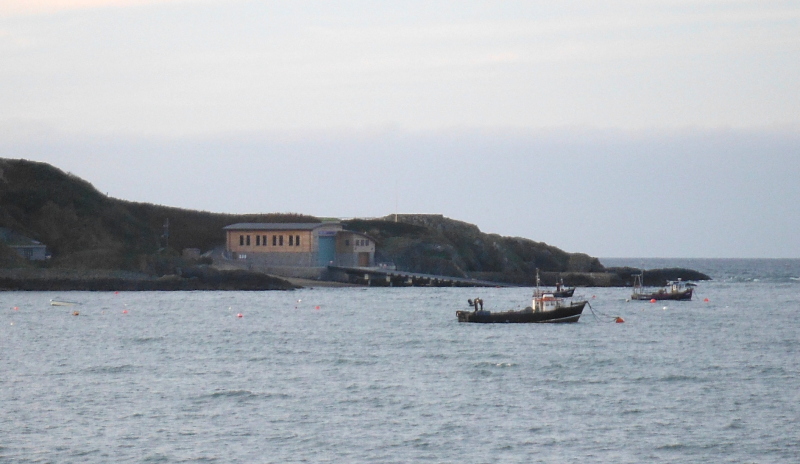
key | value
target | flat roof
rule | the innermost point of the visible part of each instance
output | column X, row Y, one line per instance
column 280, row 225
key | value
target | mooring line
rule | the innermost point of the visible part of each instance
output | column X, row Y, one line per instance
column 604, row 315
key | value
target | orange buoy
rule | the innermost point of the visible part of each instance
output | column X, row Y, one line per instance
column 619, row 320
column 124, row 311
column 317, row 307
column 706, row 300
column 239, row 315
column 653, row 300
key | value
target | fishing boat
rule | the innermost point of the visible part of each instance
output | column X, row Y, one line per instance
column 560, row 291
column 676, row 290
column 545, row 307
column 60, row 302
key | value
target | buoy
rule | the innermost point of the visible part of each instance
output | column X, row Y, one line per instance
column 619, row 320
column 593, row 297
column 116, row 293
column 653, row 300
column 317, row 307
column 75, row 313
column 16, row 308
column 706, row 300
column 124, row 311
column 239, row 315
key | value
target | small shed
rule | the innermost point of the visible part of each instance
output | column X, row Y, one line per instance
column 28, row 248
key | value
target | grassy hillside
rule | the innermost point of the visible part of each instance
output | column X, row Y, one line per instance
column 435, row 244
column 85, row 229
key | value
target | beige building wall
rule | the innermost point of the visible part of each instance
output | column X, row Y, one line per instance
column 283, row 241
column 352, row 242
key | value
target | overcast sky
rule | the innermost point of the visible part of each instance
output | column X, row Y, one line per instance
column 667, row 128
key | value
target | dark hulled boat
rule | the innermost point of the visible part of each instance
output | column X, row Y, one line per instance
column 545, row 307
column 560, row 291
column 677, row 291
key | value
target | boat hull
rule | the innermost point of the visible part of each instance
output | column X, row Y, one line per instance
column 684, row 295
column 569, row 313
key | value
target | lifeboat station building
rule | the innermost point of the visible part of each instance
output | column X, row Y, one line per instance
column 297, row 249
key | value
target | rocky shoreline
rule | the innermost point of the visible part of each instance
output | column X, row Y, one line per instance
column 193, row 279
column 210, row 278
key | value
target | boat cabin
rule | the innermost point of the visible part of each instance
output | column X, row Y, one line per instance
column 545, row 302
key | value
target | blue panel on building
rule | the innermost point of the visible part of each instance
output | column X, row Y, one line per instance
column 327, row 250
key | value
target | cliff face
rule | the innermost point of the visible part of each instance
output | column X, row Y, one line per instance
column 439, row 245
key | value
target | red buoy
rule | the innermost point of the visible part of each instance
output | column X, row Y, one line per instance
column 239, row 315
column 706, row 300
column 124, row 311
column 619, row 320
column 317, row 307
column 653, row 300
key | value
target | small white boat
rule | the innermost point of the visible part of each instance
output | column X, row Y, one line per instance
column 59, row 302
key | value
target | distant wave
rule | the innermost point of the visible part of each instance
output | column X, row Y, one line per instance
column 109, row 369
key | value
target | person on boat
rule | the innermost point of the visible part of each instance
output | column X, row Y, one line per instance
column 475, row 303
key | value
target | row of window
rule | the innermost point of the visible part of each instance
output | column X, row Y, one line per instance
column 357, row 242
column 262, row 240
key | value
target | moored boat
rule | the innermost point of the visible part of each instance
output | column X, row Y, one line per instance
column 560, row 291
column 676, row 290
column 545, row 307
column 60, row 302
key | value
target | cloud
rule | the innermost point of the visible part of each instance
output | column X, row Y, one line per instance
column 37, row 7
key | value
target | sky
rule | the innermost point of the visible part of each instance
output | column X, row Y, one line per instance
column 667, row 128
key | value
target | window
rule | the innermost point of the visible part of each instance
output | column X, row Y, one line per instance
column 280, row 240
column 274, row 240
column 264, row 240
column 296, row 240
column 248, row 240
column 291, row 240
column 258, row 240
column 347, row 242
column 241, row 240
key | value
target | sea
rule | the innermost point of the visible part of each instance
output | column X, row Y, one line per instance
column 388, row 375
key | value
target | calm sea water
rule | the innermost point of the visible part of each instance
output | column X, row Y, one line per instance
column 388, row 375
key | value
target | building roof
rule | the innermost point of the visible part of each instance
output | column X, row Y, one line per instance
column 13, row 239
column 280, row 225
